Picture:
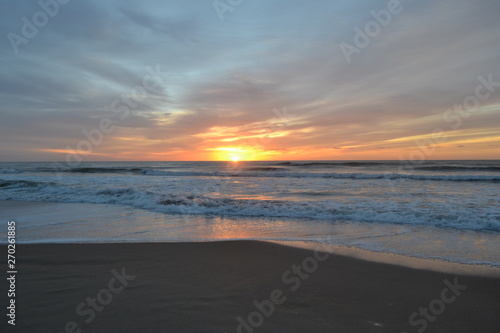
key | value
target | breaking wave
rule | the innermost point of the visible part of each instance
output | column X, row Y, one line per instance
column 442, row 215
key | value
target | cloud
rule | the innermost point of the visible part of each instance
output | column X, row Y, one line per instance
column 229, row 76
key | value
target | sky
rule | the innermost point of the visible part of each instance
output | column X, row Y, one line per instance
column 171, row 80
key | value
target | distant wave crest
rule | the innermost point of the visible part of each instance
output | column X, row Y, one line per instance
column 458, row 168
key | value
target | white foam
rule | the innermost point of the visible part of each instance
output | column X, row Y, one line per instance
column 361, row 210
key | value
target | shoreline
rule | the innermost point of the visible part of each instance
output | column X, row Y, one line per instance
column 59, row 213
column 216, row 286
column 430, row 264
column 393, row 259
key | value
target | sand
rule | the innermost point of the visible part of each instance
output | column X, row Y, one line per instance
column 211, row 287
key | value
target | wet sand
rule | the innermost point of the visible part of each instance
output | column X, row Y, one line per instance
column 238, row 286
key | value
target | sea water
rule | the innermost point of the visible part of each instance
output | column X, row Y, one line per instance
column 435, row 209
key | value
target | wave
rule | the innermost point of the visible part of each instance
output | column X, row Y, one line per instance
column 12, row 184
column 340, row 164
column 117, row 170
column 275, row 173
column 294, row 169
column 333, row 175
column 5, row 171
column 266, row 169
column 73, row 170
column 282, row 172
column 442, row 214
column 458, row 168
column 104, row 170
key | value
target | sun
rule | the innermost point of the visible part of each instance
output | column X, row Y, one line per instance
column 234, row 154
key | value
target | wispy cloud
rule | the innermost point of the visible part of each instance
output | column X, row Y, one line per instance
column 225, row 78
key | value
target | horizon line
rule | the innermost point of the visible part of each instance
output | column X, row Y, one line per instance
column 286, row 160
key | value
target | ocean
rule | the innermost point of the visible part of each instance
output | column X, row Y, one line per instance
column 447, row 210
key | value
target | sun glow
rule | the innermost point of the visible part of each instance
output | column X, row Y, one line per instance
column 234, row 154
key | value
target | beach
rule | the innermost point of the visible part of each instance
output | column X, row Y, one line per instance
column 205, row 287
column 241, row 166
column 202, row 247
